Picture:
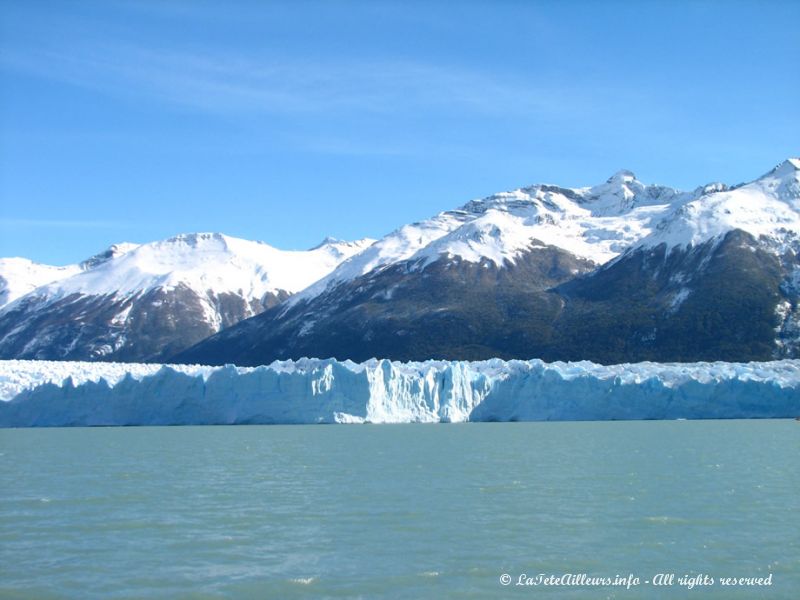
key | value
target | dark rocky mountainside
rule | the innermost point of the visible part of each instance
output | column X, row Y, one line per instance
column 716, row 301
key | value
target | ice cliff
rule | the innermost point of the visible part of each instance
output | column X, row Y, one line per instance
column 42, row 393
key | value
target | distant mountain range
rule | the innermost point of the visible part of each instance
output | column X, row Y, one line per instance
column 148, row 302
column 618, row 272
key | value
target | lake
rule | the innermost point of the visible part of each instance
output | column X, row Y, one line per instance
column 403, row 511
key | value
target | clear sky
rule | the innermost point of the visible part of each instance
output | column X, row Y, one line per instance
column 287, row 122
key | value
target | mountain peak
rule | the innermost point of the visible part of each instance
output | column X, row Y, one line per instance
column 622, row 176
column 194, row 239
column 328, row 241
column 788, row 167
column 783, row 181
column 112, row 252
column 620, row 193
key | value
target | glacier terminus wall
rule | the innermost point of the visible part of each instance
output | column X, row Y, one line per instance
column 51, row 394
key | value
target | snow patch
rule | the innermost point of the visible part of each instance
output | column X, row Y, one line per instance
column 678, row 298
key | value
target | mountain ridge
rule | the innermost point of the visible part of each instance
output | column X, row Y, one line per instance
column 716, row 257
column 187, row 286
column 616, row 272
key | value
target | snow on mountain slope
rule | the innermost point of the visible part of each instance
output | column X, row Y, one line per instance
column 207, row 261
column 33, row 393
column 596, row 223
column 148, row 303
column 136, row 302
column 767, row 208
column 112, row 252
column 19, row 276
column 395, row 247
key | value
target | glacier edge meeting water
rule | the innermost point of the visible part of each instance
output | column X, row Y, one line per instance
column 48, row 394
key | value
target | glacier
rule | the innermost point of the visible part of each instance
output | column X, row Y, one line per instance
column 55, row 394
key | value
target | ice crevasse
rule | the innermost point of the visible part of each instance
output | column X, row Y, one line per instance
column 44, row 393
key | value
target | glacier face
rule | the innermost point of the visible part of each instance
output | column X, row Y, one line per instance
column 43, row 393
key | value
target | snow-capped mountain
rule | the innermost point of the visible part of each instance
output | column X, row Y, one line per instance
column 19, row 276
column 621, row 271
column 141, row 302
column 594, row 224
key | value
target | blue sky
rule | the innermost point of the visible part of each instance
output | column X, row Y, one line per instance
column 287, row 122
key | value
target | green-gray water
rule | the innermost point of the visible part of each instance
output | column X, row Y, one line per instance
column 402, row 511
